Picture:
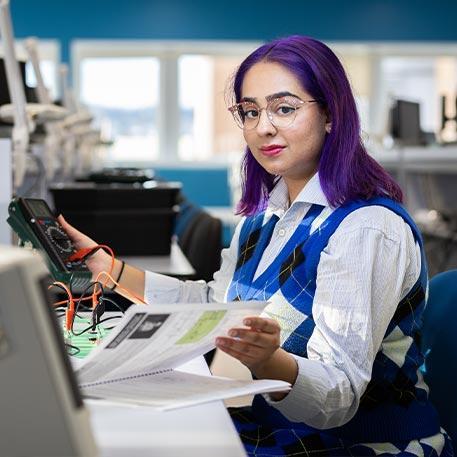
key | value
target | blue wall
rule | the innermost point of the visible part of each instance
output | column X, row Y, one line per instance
column 402, row 20
column 202, row 186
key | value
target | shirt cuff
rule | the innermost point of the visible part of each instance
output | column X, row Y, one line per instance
column 321, row 396
column 161, row 289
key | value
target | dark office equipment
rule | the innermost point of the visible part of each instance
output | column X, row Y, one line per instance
column 128, row 232
column 439, row 340
column 133, row 219
column 405, row 123
column 87, row 196
column 118, row 175
column 5, row 99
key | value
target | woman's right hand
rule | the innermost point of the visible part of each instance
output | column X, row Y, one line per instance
column 99, row 261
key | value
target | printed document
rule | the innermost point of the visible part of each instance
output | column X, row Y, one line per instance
column 138, row 361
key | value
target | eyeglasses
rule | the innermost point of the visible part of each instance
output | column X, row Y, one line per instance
column 280, row 111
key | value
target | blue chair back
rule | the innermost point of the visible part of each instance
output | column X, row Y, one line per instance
column 439, row 344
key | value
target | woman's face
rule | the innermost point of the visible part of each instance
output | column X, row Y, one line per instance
column 293, row 151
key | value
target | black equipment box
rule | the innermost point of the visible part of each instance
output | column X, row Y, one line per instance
column 90, row 196
column 133, row 219
column 118, row 175
column 129, row 232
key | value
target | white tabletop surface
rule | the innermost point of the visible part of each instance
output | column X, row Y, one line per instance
column 200, row 431
column 175, row 264
column 433, row 159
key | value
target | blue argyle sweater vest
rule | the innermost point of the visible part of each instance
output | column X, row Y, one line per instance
column 395, row 404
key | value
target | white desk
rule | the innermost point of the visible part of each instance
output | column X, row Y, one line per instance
column 175, row 264
column 199, row 431
column 431, row 159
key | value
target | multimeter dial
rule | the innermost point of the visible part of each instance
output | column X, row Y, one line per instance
column 59, row 238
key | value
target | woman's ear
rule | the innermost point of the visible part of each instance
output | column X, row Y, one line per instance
column 328, row 121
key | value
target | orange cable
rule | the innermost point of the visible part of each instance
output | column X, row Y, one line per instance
column 70, row 311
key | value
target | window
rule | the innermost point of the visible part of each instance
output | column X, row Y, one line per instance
column 123, row 95
column 207, row 129
column 160, row 101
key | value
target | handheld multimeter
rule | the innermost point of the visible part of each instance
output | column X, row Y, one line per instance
column 34, row 223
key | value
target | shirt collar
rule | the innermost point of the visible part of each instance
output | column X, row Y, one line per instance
column 312, row 193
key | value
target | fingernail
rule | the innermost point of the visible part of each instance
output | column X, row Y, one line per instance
column 247, row 322
column 233, row 333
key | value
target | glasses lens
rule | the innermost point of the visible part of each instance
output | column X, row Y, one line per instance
column 282, row 111
column 237, row 115
column 246, row 114
column 249, row 114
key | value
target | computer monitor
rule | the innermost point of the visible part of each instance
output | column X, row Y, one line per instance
column 30, row 94
column 41, row 409
column 405, row 123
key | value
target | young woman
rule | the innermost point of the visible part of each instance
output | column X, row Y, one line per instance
column 327, row 243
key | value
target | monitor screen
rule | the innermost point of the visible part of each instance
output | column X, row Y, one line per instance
column 5, row 98
column 405, row 123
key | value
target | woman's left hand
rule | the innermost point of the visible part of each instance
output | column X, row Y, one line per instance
column 255, row 345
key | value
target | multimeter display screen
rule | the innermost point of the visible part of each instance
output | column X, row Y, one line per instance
column 39, row 208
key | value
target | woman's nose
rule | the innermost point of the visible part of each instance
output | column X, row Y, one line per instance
column 265, row 126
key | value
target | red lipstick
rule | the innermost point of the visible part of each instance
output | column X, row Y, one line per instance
column 271, row 149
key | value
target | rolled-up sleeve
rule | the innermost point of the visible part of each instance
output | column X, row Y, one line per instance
column 164, row 289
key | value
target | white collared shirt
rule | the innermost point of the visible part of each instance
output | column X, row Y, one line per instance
column 368, row 266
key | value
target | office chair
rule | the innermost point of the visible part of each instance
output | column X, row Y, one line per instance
column 439, row 344
column 201, row 243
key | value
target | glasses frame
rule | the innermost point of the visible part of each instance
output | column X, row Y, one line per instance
column 234, row 109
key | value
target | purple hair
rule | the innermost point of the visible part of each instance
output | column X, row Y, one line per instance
column 346, row 171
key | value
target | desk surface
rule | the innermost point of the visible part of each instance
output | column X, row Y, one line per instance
column 431, row 159
column 175, row 264
column 199, row 431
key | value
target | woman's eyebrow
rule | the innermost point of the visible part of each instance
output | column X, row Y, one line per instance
column 280, row 94
column 248, row 99
column 270, row 97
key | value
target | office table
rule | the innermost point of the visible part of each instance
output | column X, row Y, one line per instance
column 429, row 159
column 427, row 175
column 175, row 264
column 200, row 431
